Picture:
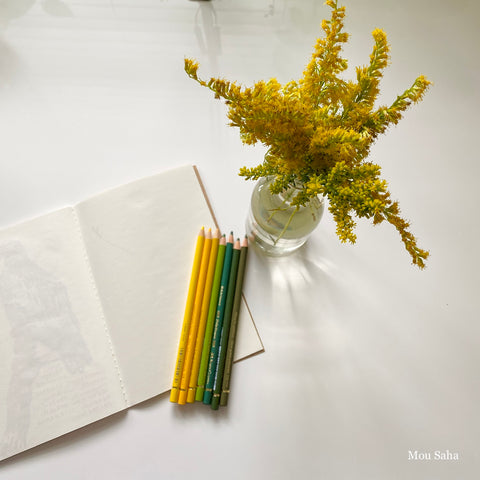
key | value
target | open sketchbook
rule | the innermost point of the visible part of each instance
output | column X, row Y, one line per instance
column 91, row 306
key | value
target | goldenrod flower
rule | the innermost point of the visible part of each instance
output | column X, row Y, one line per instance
column 319, row 130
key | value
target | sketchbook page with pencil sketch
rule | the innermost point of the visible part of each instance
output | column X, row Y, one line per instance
column 58, row 369
column 140, row 241
column 91, row 306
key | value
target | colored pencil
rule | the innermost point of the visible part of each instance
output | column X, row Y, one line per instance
column 237, row 300
column 187, row 317
column 192, row 385
column 197, row 308
column 217, row 329
column 217, row 388
column 212, row 309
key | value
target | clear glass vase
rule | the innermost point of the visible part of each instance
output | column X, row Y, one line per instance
column 274, row 225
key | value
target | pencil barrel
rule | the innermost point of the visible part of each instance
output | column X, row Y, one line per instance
column 233, row 327
column 197, row 259
column 217, row 389
column 217, row 329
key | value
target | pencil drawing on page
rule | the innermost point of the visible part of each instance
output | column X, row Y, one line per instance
column 44, row 332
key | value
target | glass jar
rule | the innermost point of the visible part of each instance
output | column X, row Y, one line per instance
column 274, row 225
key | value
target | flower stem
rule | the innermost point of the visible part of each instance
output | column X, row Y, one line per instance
column 282, row 233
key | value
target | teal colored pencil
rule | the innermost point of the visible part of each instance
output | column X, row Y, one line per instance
column 217, row 329
column 237, row 300
column 212, row 309
column 222, row 354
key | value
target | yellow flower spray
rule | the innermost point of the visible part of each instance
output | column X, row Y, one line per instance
column 319, row 131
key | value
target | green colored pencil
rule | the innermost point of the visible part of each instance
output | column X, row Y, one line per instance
column 217, row 388
column 212, row 309
column 237, row 300
column 217, row 329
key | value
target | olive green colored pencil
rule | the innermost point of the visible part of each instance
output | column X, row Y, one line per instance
column 232, row 336
column 217, row 388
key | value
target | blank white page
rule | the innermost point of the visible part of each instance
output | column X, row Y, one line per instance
column 140, row 239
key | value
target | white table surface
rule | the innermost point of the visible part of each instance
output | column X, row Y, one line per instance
column 366, row 357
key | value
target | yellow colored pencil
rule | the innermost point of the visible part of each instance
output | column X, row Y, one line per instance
column 203, row 318
column 197, row 308
column 187, row 317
